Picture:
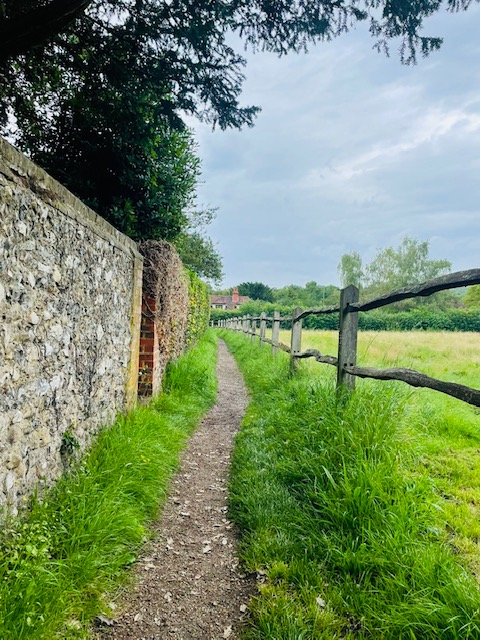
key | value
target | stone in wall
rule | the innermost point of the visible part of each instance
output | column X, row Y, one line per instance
column 67, row 296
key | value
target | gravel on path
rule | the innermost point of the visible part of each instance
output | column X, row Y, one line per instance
column 190, row 585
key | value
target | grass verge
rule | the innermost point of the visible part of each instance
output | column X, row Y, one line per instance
column 337, row 515
column 446, row 430
column 60, row 558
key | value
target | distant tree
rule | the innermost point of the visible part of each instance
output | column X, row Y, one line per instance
column 408, row 264
column 350, row 269
column 290, row 296
column 256, row 291
column 393, row 268
column 317, row 295
column 221, row 292
column 311, row 295
column 472, row 297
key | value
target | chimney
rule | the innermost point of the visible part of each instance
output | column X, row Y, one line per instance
column 235, row 296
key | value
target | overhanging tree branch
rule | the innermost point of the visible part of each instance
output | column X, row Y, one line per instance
column 25, row 31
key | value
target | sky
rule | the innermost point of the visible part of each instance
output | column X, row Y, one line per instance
column 352, row 151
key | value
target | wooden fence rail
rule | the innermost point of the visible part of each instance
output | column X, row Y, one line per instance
column 348, row 311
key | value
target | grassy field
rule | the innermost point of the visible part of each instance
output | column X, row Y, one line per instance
column 446, row 431
column 361, row 512
column 449, row 356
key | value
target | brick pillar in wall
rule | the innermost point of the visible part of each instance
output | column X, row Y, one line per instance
column 149, row 358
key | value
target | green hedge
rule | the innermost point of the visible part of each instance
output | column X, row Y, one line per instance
column 199, row 309
column 421, row 319
column 414, row 320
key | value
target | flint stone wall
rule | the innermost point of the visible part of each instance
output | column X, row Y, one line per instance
column 70, row 304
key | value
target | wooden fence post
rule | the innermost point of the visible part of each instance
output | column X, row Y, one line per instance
column 254, row 329
column 263, row 326
column 347, row 337
column 296, row 339
column 275, row 331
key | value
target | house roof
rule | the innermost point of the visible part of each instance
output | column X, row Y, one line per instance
column 227, row 300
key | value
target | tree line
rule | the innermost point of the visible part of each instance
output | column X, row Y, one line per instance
column 391, row 268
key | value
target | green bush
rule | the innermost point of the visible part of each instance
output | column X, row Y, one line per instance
column 199, row 308
column 421, row 319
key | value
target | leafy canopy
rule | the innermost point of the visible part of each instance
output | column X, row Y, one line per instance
column 407, row 264
column 393, row 268
column 95, row 90
column 310, row 296
column 350, row 269
column 256, row 291
column 182, row 46
column 472, row 297
column 197, row 250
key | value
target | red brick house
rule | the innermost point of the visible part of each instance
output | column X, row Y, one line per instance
column 228, row 302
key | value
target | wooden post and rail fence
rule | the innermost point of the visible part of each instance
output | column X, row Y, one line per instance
column 346, row 358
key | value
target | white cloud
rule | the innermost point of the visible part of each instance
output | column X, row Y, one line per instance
column 352, row 151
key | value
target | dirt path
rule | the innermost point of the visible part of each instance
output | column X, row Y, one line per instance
column 190, row 586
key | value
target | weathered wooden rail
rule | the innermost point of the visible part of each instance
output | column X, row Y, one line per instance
column 348, row 310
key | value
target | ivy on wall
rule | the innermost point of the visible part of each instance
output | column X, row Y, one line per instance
column 199, row 308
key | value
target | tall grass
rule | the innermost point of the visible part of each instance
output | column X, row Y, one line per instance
column 337, row 515
column 446, row 429
column 447, row 355
column 68, row 550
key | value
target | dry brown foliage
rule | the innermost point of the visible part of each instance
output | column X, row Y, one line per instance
column 164, row 279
